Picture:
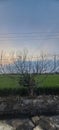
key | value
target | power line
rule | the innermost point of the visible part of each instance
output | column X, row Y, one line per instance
column 28, row 33
column 13, row 39
column 14, row 36
column 29, row 36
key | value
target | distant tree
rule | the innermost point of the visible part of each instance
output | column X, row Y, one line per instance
column 24, row 69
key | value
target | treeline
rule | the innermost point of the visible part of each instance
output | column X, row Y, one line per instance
column 21, row 63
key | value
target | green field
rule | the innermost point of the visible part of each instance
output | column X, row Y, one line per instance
column 49, row 80
column 12, row 81
column 9, row 81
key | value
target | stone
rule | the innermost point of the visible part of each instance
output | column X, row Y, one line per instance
column 26, row 125
column 45, row 104
column 4, row 126
column 35, row 120
column 17, row 122
column 47, row 124
column 37, row 128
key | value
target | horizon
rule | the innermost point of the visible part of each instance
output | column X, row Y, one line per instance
column 13, row 57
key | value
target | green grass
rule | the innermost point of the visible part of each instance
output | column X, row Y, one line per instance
column 12, row 81
column 48, row 80
column 9, row 81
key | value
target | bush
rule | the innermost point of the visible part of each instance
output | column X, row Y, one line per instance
column 28, row 80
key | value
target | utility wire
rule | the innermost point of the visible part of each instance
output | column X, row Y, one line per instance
column 28, row 33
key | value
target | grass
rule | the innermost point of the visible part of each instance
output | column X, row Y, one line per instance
column 46, row 83
column 11, row 81
column 48, row 80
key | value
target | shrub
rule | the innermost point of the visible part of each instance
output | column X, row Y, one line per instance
column 28, row 80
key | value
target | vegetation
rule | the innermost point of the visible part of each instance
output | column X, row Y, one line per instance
column 9, row 81
column 43, row 80
column 44, row 83
column 28, row 80
column 48, row 80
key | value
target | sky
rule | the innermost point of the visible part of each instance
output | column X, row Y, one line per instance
column 29, row 24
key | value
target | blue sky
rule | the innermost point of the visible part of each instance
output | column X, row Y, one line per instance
column 31, row 24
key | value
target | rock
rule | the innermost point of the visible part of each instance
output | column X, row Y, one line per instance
column 27, row 125
column 31, row 111
column 34, row 123
column 55, row 121
column 16, row 123
column 2, row 106
column 47, row 124
column 4, row 126
column 37, row 128
column 45, row 104
column 35, row 120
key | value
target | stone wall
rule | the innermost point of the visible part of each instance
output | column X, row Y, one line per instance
column 42, row 105
column 33, row 123
column 40, row 113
